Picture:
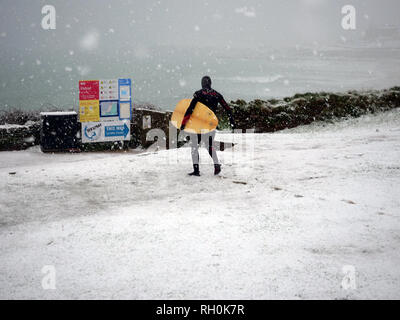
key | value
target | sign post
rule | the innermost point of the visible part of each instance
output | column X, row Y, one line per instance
column 105, row 110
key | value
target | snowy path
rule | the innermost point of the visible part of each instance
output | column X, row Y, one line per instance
column 281, row 222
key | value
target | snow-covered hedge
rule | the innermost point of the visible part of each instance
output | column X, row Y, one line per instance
column 19, row 137
column 301, row 109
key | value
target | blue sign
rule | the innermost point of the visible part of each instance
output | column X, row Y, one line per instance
column 126, row 82
column 116, row 131
column 125, row 99
column 124, row 89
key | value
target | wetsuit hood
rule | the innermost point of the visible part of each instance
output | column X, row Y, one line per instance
column 206, row 82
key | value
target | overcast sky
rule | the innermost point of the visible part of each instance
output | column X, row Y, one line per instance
column 218, row 23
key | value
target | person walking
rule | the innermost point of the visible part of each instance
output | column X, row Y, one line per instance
column 211, row 98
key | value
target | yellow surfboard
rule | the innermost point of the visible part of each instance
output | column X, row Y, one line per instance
column 202, row 120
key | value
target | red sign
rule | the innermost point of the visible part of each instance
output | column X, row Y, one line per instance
column 89, row 90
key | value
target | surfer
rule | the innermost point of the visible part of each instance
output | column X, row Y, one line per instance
column 210, row 98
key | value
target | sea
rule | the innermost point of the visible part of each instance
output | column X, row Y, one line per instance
column 163, row 75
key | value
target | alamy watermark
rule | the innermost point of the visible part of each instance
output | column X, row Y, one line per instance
column 349, row 18
column 49, row 278
column 242, row 145
column 349, row 279
column 49, row 20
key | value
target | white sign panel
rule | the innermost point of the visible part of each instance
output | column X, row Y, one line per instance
column 106, row 131
column 125, row 110
column 108, row 89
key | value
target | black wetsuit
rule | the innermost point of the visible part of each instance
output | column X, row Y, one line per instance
column 210, row 98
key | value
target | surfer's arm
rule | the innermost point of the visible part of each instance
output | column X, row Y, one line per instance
column 189, row 112
column 228, row 110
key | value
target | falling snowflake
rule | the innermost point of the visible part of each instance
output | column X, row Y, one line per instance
column 217, row 16
column 83, row 70
column 90, row 41
column 247, row 12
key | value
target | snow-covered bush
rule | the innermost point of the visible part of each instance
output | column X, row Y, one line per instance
column 301, row 109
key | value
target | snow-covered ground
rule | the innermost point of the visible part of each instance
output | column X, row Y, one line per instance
column 292, row 217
